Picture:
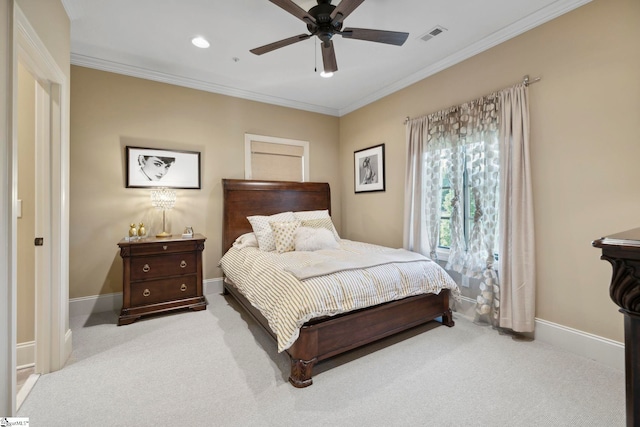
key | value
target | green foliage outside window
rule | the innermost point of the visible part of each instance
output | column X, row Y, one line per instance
column 444, row 239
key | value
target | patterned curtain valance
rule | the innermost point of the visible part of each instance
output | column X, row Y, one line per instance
column 462, row 124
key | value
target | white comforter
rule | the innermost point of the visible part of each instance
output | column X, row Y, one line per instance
column 266, row 279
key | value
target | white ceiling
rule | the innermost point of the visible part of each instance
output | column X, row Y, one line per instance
column 152, row 39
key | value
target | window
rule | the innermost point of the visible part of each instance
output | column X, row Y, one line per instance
column 470, row 196
column 444, row 237
column 277, row 159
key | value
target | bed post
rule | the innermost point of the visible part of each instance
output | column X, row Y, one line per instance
column 447, row 316
column 301, row 372
column 303, row 354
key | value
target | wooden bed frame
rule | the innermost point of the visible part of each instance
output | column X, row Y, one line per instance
column 327, row 336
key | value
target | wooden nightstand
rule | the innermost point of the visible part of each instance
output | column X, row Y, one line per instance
column 161, row 275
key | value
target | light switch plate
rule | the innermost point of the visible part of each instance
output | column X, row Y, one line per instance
column 19, row 213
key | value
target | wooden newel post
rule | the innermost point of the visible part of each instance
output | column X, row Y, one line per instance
column 622, row 250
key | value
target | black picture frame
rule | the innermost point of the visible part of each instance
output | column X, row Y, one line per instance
column 154, row 167
column 369, row 169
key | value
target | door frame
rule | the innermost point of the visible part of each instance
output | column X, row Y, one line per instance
column 53, row 336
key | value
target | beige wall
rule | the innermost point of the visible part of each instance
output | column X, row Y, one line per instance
column 585, row 150
column 110, row 111
column 26, row 193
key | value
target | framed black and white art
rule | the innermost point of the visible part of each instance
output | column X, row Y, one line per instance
column 151, row 167
column 369, row 169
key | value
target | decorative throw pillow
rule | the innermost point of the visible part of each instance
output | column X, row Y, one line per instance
column 313, row 239
column 245, row 241
column 284, row 233
column 262, row 229
column 317, row 219
column 325, row 223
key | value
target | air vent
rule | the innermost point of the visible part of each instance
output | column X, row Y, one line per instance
column 433, row 32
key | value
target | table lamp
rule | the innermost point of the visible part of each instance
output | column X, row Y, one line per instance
column 165, row 199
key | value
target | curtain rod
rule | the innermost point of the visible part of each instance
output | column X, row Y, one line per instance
column 525, row 81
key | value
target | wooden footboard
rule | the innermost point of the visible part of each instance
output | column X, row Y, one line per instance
column 329, row 336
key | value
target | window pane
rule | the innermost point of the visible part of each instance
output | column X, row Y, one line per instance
column 471, row 203
column 447, row 195
column 445, row 233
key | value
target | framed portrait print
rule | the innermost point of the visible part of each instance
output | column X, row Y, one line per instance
column 369, row 169
column 151, row 167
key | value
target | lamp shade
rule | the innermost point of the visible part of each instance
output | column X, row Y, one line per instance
column 163, row 198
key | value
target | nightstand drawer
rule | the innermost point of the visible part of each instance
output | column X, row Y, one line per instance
column 149, row 267
column 163, row 247
column 155, row 291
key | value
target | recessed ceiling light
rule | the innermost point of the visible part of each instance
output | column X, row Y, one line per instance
column 325, row 74
column 200, row 42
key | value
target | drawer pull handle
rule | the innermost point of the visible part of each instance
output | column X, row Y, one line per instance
column 183, row 287
column 146, row 292
column 146, row 268
column 164, row 247
column 183, row 264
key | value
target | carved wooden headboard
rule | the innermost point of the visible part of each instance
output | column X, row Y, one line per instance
column 243, row 198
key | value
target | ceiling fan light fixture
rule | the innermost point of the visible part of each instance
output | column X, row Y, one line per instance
column 326, row 74
column 200, row 42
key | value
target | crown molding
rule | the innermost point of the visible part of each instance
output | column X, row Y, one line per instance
column 73, row 9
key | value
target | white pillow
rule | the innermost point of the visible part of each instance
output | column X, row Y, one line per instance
column 262, row 228
column 301, row 215
column 317, row 219
column 283, row 233
column 313, row 239
column 247, row 240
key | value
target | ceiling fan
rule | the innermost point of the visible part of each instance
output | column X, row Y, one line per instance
column 324, row 21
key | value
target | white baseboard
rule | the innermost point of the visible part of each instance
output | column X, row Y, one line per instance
column 68, row 345
column 594, row 347
column 85, row 306
column 603, row 350
column 26, row 389
column 26, row 354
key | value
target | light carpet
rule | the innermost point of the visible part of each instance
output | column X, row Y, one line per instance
column 218, row 368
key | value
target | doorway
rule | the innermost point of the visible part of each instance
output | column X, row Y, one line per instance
column 27, row 371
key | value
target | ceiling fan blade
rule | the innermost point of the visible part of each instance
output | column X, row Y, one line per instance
column 329, row 57
column 295, row 10
column 378, row 36
column 281, row 43
column 344, row 8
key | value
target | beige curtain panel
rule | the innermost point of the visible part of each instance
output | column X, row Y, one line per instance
column 517, row 239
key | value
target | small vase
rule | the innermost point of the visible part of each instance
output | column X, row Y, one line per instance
column 141, row 230
column 133, row 232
